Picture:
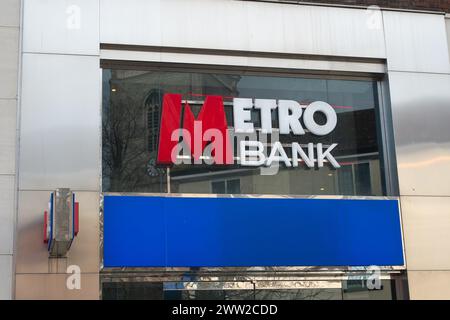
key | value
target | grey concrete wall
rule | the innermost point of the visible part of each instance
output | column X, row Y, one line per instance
column 9, row 68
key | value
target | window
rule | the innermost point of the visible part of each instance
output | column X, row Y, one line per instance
column 132, row 289
column 132, row 104
column 226, row 186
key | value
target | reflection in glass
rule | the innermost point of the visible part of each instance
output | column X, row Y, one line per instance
column 144, row 290
column 132, row 102
column 299, row 294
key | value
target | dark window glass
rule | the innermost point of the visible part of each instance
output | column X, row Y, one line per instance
column 234, row 186
column 132, row 291
column 345, row 178
column 298, row 294
column 209, row 295
column 218, row 187
column 132, row 103
column 130, row 129
column 226, row 187
column 355, row 289
column 362, row 179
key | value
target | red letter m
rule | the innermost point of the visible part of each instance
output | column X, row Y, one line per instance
column 211, row 116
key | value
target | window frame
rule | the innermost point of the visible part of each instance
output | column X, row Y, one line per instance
column 387, row 153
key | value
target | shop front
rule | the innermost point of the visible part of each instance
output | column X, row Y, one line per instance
column 229, row 149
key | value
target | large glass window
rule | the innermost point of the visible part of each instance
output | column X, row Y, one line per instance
column 132, row 108
column 262, row 290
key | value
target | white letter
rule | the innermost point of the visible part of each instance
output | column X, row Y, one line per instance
column 74, row 280
column 274, row 168
column 297, row 149
column 181, row 152
column 242, row 113
column 278, row 148
column 327, row 110
column 252, row 153
column 73, row 21
column 266, row 106
column 290, row 121
column 216, row 147
column 322, row 155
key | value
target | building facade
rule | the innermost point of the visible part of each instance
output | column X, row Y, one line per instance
column 88, row 89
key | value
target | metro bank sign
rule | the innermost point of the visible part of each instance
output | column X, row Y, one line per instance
column 202, row 231
column 209, row 139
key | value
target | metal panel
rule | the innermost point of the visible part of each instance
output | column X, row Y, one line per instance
column 416, row 42
column 53, row 287
column 55, row 26
column 244, row 61
column 32, row 255
column 138, row 22
column 60, row 122
column 84, row 251
column 328, row 30
column 6, row 213
column 240, row 25
column 31, row 252
column 426, row 224
column 429, row 285
column 7, row 136
column 6, row 276
column 420, row 112
column 10, row 13
column 447, row 26
column 9, row 57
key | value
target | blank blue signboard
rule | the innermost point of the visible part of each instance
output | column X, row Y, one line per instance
column 147, row 231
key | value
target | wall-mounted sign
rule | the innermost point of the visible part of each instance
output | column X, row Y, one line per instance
column 61, row 222
column 142, row 231
column 208, row 138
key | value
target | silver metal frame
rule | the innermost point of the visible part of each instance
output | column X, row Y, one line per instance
column 338, row 5
column 387, row 136
column 366, row 72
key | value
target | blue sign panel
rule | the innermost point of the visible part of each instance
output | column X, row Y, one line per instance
column 144, row 231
